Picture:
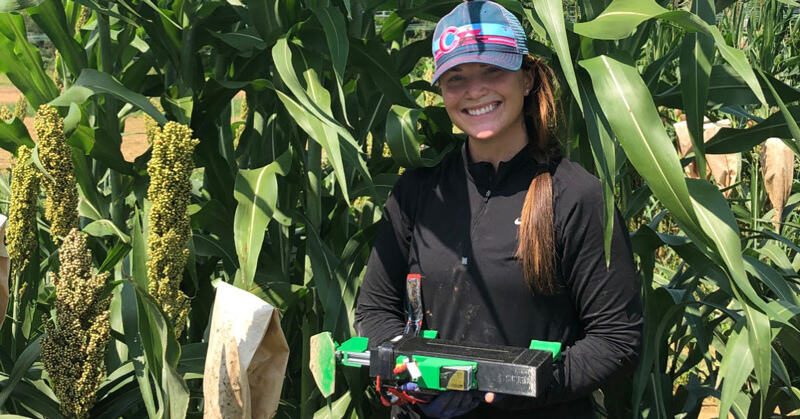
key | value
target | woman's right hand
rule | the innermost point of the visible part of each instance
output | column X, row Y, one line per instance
column 451, row 404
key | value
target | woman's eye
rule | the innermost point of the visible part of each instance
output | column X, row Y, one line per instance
column 454, row 79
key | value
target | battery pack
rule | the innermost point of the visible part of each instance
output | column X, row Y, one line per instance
column 499, row 369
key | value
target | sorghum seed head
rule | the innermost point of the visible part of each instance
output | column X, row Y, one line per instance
column 21, row 108
column 61, row 205
column 73, row 350
column 170, row 168
column 21, row 234
column 5, row 113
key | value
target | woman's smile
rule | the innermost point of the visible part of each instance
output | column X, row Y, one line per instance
column 483, row 110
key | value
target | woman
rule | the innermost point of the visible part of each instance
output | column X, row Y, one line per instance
column 507, row 235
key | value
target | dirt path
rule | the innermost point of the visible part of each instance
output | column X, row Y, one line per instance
column 134, row 142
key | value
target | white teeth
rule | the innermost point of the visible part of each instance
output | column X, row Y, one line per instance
column 483, row 110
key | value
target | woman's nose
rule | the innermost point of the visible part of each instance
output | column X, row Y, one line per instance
column 476, row 88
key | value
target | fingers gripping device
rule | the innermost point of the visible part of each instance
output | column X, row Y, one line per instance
column 417, row 363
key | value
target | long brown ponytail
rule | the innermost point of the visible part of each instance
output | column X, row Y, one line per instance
column 536, row 244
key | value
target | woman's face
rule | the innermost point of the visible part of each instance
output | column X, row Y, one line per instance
column 485, row 101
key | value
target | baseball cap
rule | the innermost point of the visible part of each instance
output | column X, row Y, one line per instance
column 478, row 31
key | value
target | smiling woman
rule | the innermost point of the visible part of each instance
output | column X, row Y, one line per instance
column 506, row 235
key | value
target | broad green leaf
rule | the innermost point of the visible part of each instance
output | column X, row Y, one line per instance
column 719, row 224
column 727, row 88
column 404, row 141
column 50, row 17
column 243, row 41
column 92, row 82
column 154, row 323
column 633, row 117
column 621, row 18
column 350, row 149
column 790, row 121
column 337, row 409
column 14, row 133
column 14, row 5
column 772, row 279
column 731, row 140
column 114, row 255
column 551, row 13
column 334, row 25
column 604, row 153
column 37, row 400
column 104, row 228
column 257, row 193
column 22, row 63
column 697, row 55
column 736, row 366
column 21, row 366
column 130, row 321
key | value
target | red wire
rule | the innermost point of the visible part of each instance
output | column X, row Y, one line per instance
column 380, row 393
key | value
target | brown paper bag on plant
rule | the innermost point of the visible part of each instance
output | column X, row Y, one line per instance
column 246, row 358
column 777, row 168
column 723, row 167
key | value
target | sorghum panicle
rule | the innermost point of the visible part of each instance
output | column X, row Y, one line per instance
column 5, row 113
column 61, row 205
column 21, row 234
column 169, row 169
column 75, row 344
column 86, row 13
column 151, row 127
column 21, row 108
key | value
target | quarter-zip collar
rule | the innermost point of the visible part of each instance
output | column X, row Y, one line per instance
column 482, row 173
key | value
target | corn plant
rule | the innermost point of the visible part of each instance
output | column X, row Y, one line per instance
column 284, row 202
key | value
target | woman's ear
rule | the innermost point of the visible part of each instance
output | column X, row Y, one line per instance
column 527, row 81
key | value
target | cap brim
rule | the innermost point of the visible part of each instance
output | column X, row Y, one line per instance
column 508, row 60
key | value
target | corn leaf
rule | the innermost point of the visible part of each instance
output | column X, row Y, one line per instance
column 604, row 153
column 92, row 82
column 257, row 193
column 130, row 320
column 21, row 366
column 629, row 108
column 727, row 88
column 22, row 63
column 14, row 133
column 337, row 409
column 621, row 18
column 737, row 364
column 697, row 55
column 731, row 140
column 154, row 323
column 551, row 14
column 333, row 23
column 790, row 121
column 51, row 18
column 14, row 5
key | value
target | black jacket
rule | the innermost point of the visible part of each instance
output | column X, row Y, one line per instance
column 456, row 224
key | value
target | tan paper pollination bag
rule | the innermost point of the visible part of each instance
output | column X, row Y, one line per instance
column 246, row 358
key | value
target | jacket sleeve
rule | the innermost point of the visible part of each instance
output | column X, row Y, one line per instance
column 606, row 299
column 381, row 301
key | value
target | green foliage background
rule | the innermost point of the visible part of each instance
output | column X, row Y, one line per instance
column 284, row 203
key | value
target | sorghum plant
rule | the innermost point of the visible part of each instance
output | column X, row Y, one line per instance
column 21, row 235
column 73, row 350
column 61, row 205
column 169, row 169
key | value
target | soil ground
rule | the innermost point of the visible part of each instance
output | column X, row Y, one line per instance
column 134, row 142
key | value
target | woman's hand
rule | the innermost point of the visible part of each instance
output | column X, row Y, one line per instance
column 452, row 403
